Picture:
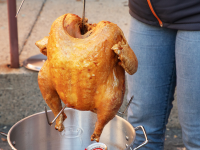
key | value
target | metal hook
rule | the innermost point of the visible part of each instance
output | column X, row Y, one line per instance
column 19, row 8
column 83, row 18
column 126, row 106
column 50, row 123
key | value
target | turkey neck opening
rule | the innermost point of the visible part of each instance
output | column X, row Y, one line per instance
column 72, row 25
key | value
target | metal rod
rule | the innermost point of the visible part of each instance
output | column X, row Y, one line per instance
column 50, row 123
column 4, row 134
column 126, row 106
column 145, row 136
column 14, row 53
column 83, row 18
column 20, row 8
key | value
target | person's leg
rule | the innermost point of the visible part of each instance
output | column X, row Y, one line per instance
column 188, row 86
column 154, row 82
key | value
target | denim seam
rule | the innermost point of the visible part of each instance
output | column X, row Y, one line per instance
column 167, row 109
column 186, row 39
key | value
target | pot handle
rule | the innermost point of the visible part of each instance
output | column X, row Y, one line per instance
column 145, row 135
column 4, row 134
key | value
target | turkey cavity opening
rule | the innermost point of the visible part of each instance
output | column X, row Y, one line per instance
column 74, row 27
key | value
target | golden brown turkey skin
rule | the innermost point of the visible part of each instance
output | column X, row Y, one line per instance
column 85, row 71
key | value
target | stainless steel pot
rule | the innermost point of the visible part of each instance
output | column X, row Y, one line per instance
column 34, row 133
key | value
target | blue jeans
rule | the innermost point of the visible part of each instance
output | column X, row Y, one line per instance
column 166, row 58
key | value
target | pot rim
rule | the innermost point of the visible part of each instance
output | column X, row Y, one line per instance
column 43, row 112
column 9, row 132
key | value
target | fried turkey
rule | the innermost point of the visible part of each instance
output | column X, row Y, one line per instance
column 86, row 72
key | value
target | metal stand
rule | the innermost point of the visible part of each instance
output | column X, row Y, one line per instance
column 35, row 62
column 14, row 53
